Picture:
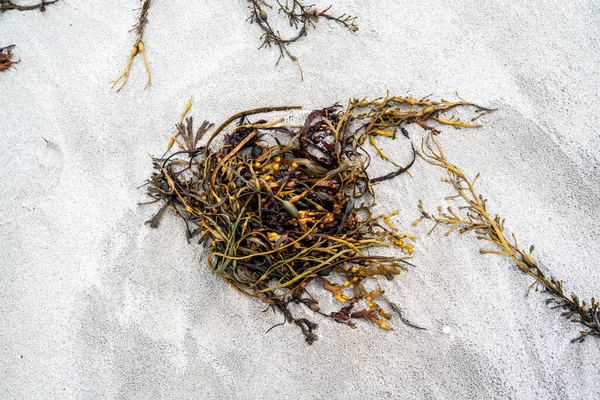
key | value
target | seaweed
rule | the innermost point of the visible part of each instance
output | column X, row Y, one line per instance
column 473, row 216
column 300, row 17
column 383, row 117
column 285, row 209
column 6, row 5
column 6, row 58
column 138, row 47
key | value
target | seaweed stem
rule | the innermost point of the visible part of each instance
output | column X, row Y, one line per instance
column 491, row 229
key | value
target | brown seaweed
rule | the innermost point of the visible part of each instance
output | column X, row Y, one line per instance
column 6, row 5
column 6, row 60
column 300, row 17
column 473, row 216
column 138, row 47
column 288, row 209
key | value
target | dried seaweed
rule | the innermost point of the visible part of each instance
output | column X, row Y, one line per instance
column 138, row 47
column 384, row 117
column 6, row 60
column 285, row 207
column 474, row 216
column 6, row 5
column 300, row 17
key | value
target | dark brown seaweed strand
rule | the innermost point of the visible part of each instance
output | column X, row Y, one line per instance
column 138, row 47
column 6, row 58
column 280, row 205
column 474, row 216
column 6, row 5
column 300, row 17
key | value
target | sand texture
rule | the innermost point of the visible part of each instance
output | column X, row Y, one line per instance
column 95, row 304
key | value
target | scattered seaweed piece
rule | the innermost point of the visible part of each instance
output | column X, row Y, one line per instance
column 6, row 5
column 300, row 17
column 138, row 47
column 284, row 206
column 6, row 58
column 383, row 117
column 474, row 216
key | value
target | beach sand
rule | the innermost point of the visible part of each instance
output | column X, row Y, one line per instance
column 95, row 304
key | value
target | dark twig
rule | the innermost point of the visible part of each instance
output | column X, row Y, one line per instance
column 6, row 5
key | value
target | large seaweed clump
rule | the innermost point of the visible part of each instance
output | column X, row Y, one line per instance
column 296, row 15
column 286, row 209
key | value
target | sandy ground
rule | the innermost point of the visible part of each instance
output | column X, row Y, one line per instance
column 94, row 304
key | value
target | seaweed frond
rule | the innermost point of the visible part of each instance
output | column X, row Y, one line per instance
column 473, row 216
column 6, row 5
column 284, row 205
column 138, row 47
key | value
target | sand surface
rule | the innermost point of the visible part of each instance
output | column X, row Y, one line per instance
column 95, row 304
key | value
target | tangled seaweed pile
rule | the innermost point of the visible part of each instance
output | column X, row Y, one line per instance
column 473, row 215
column 282, row 206
column 138, row 48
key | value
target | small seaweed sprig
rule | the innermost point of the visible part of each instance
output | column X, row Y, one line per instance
column 6, row 60
column 300, row 17
column 474, row 216
column 138, row 47
column 6, row 5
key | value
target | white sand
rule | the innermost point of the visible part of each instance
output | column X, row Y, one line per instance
column 94, row 304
